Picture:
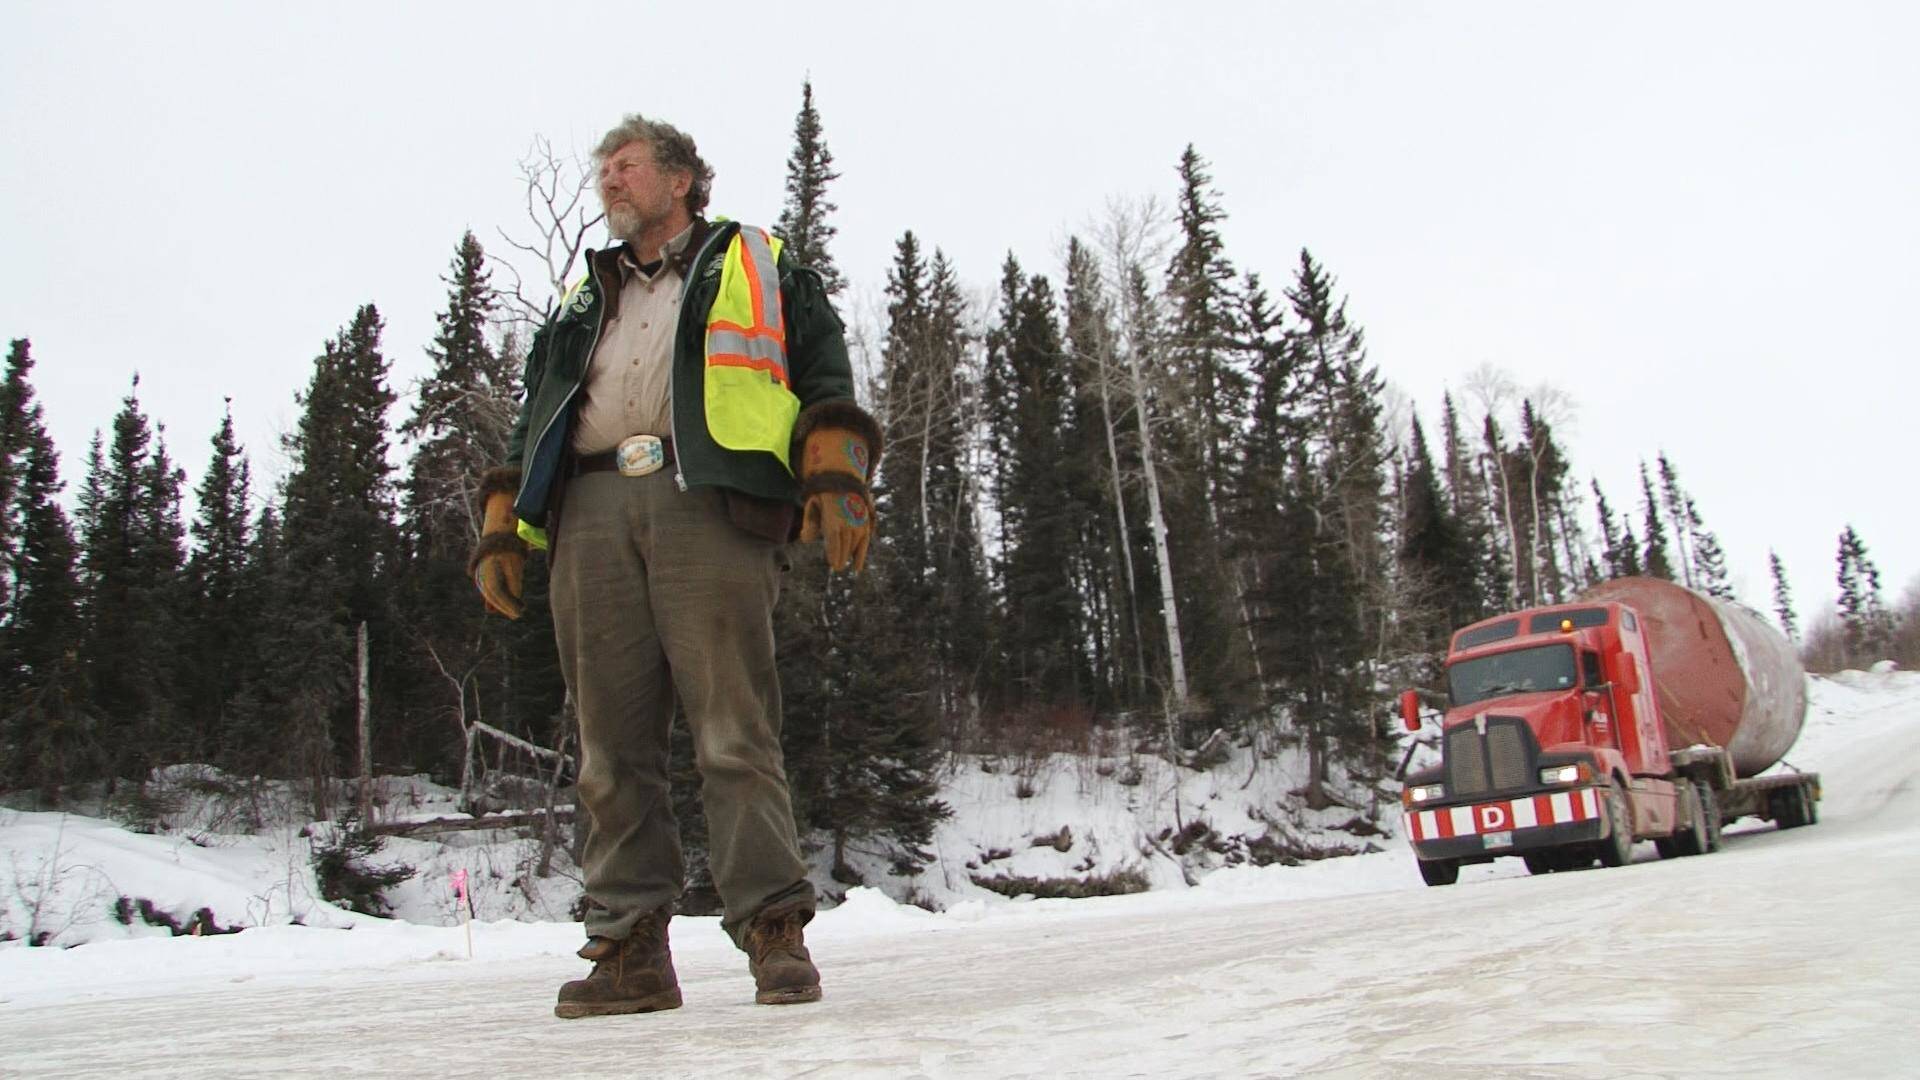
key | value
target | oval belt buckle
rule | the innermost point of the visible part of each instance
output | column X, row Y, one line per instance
column 639, row 455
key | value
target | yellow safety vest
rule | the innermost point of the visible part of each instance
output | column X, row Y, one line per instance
column 749, row 399
column 750, row 403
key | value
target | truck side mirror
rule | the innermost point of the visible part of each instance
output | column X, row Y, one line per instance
column 1410, row 710
column 1629, row 679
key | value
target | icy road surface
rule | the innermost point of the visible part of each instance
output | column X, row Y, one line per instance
column 1786, row 954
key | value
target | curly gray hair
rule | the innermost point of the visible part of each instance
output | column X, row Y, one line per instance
column 672, row 149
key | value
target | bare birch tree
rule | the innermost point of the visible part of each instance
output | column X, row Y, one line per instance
column 561, row 211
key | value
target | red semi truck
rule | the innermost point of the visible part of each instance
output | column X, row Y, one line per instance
column 1642, row 711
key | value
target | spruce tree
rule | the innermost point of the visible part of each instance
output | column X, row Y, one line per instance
column 46, row 739
column 340, row 541
column 877, row 758
column 1344, row 404
column 265, row 699
column 1709, row 561
column 924, row 489
column 460, row 658
column 1504, row 516
column 1341, row 482
column 13, row 423
column 1612, row 557
column 1315, row 644
column 860, row 752
column 133, row 557
column 1043, row 628
column 1656, row 560
column 1470, row 499
column 1866, row 624
column 1434, row 557
column 1259, row 486
column 222, row 622
column 1703, row 564
column 1630, row 552
column 999, row 390
column 1203, row 329
column 1206, row 350
column 1783, row 598
column 1674, row 501
column 803, row 219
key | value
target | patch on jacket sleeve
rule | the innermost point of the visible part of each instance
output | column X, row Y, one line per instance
column 581, row 297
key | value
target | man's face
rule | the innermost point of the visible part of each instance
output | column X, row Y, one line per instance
column 637, row 193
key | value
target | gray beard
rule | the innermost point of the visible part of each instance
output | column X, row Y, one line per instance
column 625, row 223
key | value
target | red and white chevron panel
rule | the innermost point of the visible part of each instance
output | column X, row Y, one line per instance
column 1560, row 808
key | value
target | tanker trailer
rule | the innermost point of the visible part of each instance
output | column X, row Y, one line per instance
column 1640, row 711
column 1727, row 681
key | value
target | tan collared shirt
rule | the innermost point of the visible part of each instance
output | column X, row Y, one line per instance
column 626, row 388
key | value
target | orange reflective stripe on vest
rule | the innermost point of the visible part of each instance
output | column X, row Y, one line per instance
column 746, row 327
column 749, row 399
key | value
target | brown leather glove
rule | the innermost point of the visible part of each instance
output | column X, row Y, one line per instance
column 837, row 446
column 499, row 562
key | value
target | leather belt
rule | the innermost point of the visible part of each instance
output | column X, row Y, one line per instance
column 609, row 461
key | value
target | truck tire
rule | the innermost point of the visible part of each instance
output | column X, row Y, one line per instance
column 1691, row 838
column 1439, row 871
column 1617, row 848
column 1710, row 817
column 1811, row 803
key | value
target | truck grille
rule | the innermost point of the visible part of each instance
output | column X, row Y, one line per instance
column 1508, row 754
column 1500, row 761
column 1466, row 765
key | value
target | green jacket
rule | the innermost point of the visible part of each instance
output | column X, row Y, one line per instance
column 817, row 368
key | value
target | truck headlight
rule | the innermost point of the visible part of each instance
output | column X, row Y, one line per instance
column 1563, row 774
column 1426, row 793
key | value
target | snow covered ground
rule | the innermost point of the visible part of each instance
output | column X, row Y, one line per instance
column 1786, row 954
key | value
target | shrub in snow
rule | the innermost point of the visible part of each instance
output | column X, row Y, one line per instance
column 145, row 808
column 1116, row 882
column 345, row 877
column 199, row 924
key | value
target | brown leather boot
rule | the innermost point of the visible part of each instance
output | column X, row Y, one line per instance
column 783, row 972
column 630, row 976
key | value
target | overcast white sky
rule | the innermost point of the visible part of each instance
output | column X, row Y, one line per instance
column 1699, row 220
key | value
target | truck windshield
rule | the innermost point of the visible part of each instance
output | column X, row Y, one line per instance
column 1546, row 667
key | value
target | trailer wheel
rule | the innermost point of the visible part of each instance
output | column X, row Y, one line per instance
column 1710, row 817
column 1796, row 807
column 1439, row 871
column 1790, row 807
column 1538, row 862
column 1617, row 848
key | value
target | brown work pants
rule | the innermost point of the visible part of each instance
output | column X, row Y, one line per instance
column 657, row 595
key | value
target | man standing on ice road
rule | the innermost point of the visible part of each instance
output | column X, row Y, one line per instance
column 689, row 399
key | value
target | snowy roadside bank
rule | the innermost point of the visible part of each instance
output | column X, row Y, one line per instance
column 1853, row 724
